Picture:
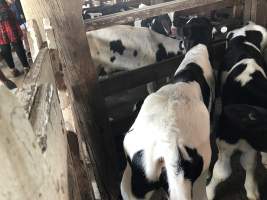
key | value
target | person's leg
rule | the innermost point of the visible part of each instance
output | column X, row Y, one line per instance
column 3, row 78
column 7, row 55
column 8, row 83
column 21, row 54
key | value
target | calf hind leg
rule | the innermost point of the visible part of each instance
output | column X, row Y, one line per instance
column 248, row 162
column 222, row 168
column 264, row 159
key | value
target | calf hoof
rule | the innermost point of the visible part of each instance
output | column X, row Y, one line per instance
column 210, row 193
column 264, row 165
column 264, row 159
column 253, row 195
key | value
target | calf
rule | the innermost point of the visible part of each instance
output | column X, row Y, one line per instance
column 127, row 48
column 168, row 145
column 242, row 122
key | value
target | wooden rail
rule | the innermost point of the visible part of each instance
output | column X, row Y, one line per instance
column 132, row 3
column 181, row 6
column 131, row 79
column 33, row 139
column 139, row 76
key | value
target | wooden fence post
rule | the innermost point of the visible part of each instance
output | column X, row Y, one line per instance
column 34, row 38
column 33, row 157
column 81, row 79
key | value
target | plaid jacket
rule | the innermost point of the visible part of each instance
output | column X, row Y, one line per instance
column 9, row 27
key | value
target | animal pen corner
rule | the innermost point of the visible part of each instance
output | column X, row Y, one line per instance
column 64, row 65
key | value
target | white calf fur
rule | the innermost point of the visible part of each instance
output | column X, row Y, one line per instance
column 202, row 59
column 142, row 40
column 173, row 117
column 165, row 122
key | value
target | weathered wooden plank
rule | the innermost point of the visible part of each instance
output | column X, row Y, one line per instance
column 126, row 80
column 26, row 95
column 74, row 191
column 181, row 6
column 49, row 34
column 34, row 38
column 247, row 10
column 80, row 175
column 33, row 97
column 34, row 74
column 132, row 3
column 83, row 173
column 28, row 90
column 131, row 79
column 238, row 8
column 254, row 9
column 261, row 18
column 81, row 79
column 26, row 171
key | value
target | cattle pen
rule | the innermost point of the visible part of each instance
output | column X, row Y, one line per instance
column 43, row 157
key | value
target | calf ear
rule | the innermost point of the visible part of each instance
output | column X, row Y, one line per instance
column 247, row 117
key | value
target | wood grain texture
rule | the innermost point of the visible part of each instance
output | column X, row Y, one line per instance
column 261, row 17
column 132, row 3
column 247, row 10
column 34, row 38
column 27, row 92
column 181, row 6
column 81, row 172
column 254, row 10
column 81, row 80
column 26, row 171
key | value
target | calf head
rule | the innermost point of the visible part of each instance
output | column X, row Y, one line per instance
column 197, row 30
column 252, row 33
column 179, row 22
column 161, row 24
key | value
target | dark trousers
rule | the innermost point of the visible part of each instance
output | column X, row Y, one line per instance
column 7, row 54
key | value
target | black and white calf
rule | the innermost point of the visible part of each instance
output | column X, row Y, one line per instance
column 242, row 123
column 127, row 48
column 168, row 146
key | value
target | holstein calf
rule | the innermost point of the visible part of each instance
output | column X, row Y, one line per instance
column 127, row 48
column 168, row 146
column 242, row 123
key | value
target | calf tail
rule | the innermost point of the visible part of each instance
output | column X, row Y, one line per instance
column 178, row 187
